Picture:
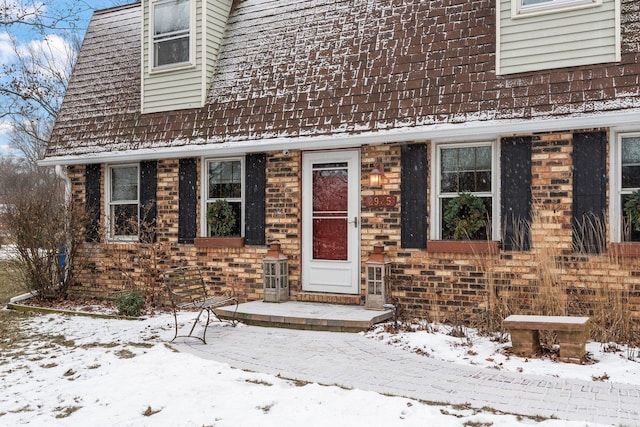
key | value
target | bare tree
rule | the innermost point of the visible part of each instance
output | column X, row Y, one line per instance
column 39, row 41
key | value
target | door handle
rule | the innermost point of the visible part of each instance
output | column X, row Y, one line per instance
column 355, row 221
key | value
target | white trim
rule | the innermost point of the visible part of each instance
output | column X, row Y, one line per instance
column 498, row 35
column 552, row 6
column 204, row 55
column 107, row 203
column 436, row 216
column 615, row 184
column 204, row 190
column 142, row 50
column 192, row 45
column 618, row 31
column 445, row 132
column 341, row 277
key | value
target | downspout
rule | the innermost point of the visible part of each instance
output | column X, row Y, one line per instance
column 62, row 174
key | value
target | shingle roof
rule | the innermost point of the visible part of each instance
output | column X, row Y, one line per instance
column 290, row 68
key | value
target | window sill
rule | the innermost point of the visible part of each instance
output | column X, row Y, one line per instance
column 463, row 246
column 219, row 242
column 629, row 249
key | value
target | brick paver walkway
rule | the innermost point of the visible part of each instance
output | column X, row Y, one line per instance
column 352, row 360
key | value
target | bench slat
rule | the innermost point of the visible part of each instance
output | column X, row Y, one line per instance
column 545, row 323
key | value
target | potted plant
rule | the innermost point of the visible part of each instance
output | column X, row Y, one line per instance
column 222, row 222
column 466, row 217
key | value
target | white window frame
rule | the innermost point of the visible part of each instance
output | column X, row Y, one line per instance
column 109, row 203
column 615, row 205
column 518, row 9
column 436, row 210
column 204, row 200
column 152, row 39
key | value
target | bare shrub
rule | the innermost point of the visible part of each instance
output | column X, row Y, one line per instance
column 138, row 264
column 46, row 230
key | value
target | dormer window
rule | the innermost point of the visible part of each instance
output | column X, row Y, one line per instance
column 528, row 7
column 171, row 33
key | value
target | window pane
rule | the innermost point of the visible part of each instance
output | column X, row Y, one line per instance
column 483, row 157
column 170, row 17
column 124, row 220
column 631, row 162
column 466, row 159
column 172, row 51
column 467, row 182
column 225, row 180
column 529, row 2
column 465, row 169
column 237, row 210
column 124, row 183
column 171, row 32
column 449, row 162
column 629, row 233
column 449, row 182
column 631, row 176
column 482, row 234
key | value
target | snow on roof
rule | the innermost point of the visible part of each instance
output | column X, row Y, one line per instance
column 305, row 68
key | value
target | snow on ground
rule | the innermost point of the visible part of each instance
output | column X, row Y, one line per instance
column 83, row 371
column 7, row 251
column 611, row 362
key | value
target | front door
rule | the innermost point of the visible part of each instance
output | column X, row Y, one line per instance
column 330, row 222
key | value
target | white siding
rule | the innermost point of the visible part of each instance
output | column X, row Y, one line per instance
column 557, row 39
column 185, row 87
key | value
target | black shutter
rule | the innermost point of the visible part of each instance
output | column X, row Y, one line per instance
column 148, row 200
column 515, row 198
column 92, row 200
column 187, row 200
column 413, row 196
column 255, row 206
column 589, row 191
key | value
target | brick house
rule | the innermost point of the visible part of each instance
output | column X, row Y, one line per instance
column 285, row 109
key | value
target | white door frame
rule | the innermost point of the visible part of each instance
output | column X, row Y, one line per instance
column 330, row 276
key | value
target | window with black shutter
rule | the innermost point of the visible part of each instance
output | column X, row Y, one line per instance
column 255, row 205
column 93, row 201
column 589, row 192
column 187, row 200
column 515, row 198
column 413, row 195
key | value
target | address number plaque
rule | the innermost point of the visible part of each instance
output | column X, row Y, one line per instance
column 380, row 201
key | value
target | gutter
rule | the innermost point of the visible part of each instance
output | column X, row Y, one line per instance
column 445, row 132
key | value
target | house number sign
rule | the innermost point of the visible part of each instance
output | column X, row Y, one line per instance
column 382, row 201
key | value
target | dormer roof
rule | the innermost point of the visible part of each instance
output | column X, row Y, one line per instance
column 301, row 69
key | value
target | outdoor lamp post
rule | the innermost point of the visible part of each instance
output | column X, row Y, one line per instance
column 378, row 273
column 275, row 270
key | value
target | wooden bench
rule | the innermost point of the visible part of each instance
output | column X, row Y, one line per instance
column 187, row 291
column 572, row 333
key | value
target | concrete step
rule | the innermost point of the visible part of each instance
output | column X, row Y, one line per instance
column 306, row 315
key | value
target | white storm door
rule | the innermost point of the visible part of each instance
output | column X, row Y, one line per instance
column 331, row 222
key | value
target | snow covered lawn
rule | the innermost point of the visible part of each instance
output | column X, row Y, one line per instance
column 57, row 370
column 611, row 361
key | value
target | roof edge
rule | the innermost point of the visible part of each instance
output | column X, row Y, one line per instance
column 115, row 8
column 446, row 132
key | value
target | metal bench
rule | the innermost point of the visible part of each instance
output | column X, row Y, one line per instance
column 572, row 333
column 187, row 291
